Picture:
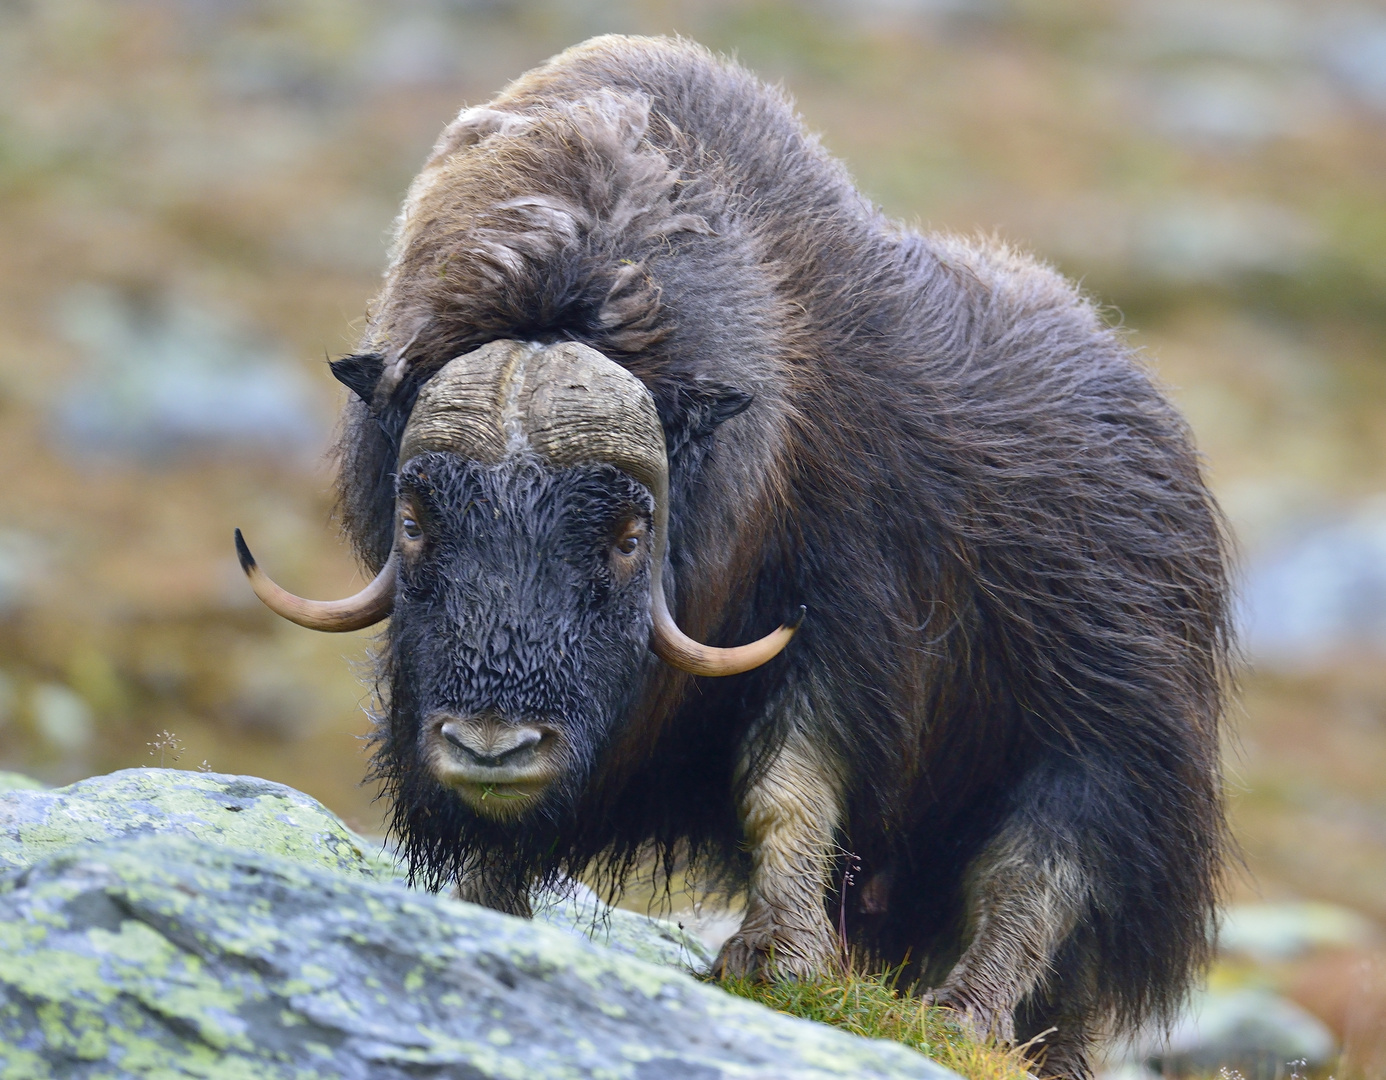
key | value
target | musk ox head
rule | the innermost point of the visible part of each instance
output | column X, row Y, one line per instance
column 525, row 590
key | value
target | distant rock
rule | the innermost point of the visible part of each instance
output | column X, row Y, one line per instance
column 1320, row 592
column 1183, row 238
column 22, row 564
column 1255, row 1032
column 1194, row 239
column 171, row 924
column 1283, row 931
column 164, row 376
column 1238, row 1023
column 1354, row 51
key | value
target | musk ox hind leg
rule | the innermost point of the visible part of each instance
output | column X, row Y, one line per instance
column 1023, row 903
column 790, row 813
column 1057, row 1022
column 1088, row 910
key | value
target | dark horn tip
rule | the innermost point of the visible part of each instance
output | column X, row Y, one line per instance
column 243, row 553
column 798, row 615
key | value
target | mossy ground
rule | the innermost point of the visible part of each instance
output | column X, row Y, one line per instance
column 873, row 1006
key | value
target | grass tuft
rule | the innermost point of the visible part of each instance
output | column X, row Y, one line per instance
column 872, row 1006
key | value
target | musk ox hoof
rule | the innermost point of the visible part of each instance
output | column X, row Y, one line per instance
column 980, row 1021
column 778, row 954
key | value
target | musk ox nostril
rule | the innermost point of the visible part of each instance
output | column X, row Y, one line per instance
column 450, row 733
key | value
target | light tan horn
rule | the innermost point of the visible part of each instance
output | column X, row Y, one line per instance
column 670, row 643
column 570, row 405
column 366, row 608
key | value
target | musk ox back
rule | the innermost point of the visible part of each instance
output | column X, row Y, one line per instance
column 648, row 373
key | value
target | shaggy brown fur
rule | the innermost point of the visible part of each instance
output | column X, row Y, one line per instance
column 1005, row 700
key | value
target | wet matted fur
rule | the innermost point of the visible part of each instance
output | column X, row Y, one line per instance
column 1005, row 701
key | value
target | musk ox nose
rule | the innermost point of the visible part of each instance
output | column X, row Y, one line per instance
column 499, row 767
column 490, row 744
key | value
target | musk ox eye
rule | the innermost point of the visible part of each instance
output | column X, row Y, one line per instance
column 410, row 528
column 629, row 538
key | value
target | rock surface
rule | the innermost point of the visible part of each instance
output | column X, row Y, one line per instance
column 238, row 811
column 1319, row 594
column 187, row 939
column 580, row 911
column 260, row 815
column 13, row 781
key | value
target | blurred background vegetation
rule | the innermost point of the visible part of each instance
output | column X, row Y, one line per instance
column 195, row 197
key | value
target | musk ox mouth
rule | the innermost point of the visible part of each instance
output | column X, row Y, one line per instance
column 497, row 767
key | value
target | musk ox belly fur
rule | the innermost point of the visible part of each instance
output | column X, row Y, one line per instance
column 992, row 745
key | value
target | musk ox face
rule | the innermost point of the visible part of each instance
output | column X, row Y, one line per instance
column 521, row 622
column 524, row 594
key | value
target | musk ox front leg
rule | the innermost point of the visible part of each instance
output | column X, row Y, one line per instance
column 790, row 814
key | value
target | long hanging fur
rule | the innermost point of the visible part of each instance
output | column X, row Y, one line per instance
column 1015, row 575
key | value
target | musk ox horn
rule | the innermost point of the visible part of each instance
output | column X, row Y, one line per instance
column 570, row 404
column 366, row 608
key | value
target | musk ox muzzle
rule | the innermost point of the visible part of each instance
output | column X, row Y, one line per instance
column 496, row 766
column 568, row 404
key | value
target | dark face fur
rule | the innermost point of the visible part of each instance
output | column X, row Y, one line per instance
column 520, row 627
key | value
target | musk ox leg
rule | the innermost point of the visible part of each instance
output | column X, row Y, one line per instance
column 1023, row 903
column 790, row 815
column 1058, row 1019
column 506, row 895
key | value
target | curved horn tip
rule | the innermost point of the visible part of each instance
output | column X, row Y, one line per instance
column 243, row 554
column 792, row 624
column 366, row 608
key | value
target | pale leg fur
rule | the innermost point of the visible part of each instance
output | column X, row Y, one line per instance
column 790, row 816
column 1021, row 907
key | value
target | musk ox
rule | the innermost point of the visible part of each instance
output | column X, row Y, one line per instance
column 643, row 353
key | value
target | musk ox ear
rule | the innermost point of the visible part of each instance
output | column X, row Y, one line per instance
column 359, row 374
column 690, row 412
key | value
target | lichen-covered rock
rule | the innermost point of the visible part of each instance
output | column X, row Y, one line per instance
column 260, row 815
column 239, row 811
column 13, row 781
column 172, row 957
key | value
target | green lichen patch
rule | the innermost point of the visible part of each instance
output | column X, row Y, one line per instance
column 237, row 811
column 13, row 781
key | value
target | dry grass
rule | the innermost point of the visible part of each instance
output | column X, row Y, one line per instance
column 871, row 1005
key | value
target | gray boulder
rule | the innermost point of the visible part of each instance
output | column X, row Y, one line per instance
column 166, row 923
column 260, row 815
column 577, row 909
column 1320, row 594
column 1268, row 932
column 164, row 376
column 238, row 811
column 169, row 956
column 13, row 781
column 1256, row 1032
